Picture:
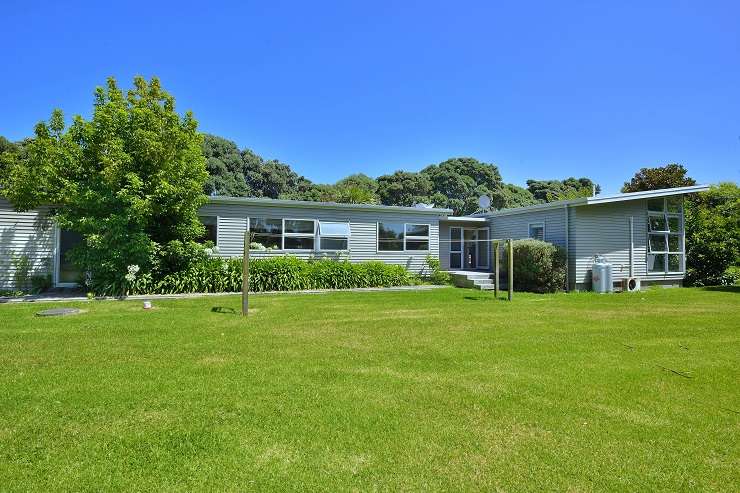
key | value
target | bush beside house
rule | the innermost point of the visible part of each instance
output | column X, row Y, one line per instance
column 538, row 266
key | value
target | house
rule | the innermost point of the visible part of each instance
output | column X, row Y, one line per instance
column 641, row 234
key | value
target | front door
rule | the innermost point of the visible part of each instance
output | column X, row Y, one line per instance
column 67, row 273
column 470, row 249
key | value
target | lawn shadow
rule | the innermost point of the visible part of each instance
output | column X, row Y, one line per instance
column 482, row 298
column 723, row 289
column 224, row 309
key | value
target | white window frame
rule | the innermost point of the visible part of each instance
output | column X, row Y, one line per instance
column 665, row 234
column 319, row 236
column 405, row 237
column 282, row 231
column 460, row 243
column 540, row 224
column 478, row 244
column 426, row 238
column 299, row 235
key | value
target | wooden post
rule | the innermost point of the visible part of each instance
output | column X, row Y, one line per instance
column 511, row 268
column 496, row 262
column 245, row 276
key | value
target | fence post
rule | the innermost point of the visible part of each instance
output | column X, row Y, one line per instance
column 245, row 276
column 511, row 268
column 496, row 262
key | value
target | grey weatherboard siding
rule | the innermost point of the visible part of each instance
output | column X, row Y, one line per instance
column 25, row 233
column 232, row 222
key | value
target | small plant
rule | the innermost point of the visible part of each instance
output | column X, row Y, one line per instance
column 22, row 276
column 40, row 283
column 437, row 276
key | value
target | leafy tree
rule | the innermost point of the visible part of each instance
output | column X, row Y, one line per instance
column 713, row 234
column 553, row 190
column 513, row 196
column 458, row 182
column 8, row 153
column 359, row 180
column 225, row 167
column 404, row 188
column 129, row 180
column 272, row 178
column 668, row 176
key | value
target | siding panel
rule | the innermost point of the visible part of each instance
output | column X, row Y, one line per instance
column 516, row 226
column 232, row 221
column 29, row 234
column 604, row 230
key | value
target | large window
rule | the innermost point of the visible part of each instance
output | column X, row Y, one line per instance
column 299, row 234
column 665, row 235
column 267, row 232
column 333, row 236
column 398, row 237
column 211, row 225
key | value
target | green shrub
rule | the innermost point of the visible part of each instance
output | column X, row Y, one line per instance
column 437, row 276
column 538, row 266
column 283, row 273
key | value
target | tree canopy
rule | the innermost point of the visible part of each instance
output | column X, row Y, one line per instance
column 404, row 188
column 713, row 234
column 553, row 190
column 225, row 167
column 128, row 180
column 668, row 176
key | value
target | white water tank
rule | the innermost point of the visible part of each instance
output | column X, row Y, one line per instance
column 601, row 275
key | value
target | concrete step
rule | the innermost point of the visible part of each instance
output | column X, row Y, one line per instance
column 485, row 287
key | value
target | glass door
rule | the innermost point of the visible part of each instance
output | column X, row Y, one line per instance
column 470, row 249
column 455, row 248
column 483, row 248
column 67, row 274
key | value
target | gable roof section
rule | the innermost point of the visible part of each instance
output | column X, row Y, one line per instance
column 305, row 204
column 598, row 199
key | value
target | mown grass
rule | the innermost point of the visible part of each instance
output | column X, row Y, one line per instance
column 436, row 390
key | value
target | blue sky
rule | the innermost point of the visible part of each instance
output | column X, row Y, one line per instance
column 543, row 90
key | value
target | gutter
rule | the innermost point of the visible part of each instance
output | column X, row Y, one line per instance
column 247, row 201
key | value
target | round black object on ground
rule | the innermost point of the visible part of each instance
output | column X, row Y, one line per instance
column 56, row 312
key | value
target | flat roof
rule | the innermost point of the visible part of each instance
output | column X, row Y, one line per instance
column 306, row 204
column 598, row 199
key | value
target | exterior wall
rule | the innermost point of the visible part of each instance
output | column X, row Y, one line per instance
column 516, row 226
column 232, row 222
column 30, row 234
column 605, row 230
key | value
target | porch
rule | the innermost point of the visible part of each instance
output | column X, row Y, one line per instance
column 464, row 245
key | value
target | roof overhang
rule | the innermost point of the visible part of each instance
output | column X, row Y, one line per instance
column 648, row 194
column 598, row 199
column 464, row 219
column 304, row 204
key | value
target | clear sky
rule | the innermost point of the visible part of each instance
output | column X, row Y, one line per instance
column 542, row 89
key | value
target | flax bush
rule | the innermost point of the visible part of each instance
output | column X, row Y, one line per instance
column 283, row 273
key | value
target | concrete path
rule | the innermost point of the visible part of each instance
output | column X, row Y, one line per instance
column 57, row 297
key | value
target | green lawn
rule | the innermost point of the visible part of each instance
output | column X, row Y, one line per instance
column 436, row 390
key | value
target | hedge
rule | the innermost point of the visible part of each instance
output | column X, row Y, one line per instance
column 284, row 273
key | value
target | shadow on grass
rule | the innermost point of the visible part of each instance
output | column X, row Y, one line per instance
column 224, row 309
column 723, row 289
column 483, row 298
